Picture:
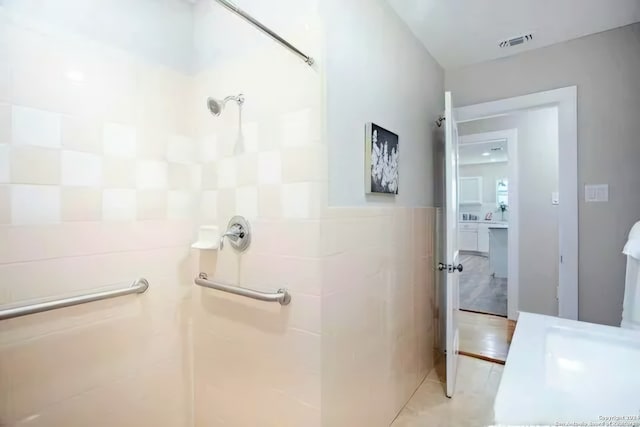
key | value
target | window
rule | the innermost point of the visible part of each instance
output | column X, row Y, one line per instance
column 502, row 192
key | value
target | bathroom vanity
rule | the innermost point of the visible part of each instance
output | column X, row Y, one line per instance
column 566, row 372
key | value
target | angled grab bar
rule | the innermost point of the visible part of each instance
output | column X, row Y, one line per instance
column 138, row 287
column 282, row 296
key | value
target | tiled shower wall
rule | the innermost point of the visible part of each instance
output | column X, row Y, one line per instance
column 118, row 161
column 97, row 186
column 259, row 364
column 378, row 312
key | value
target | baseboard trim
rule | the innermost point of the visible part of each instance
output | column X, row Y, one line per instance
column 504, row 316
column 482, row 357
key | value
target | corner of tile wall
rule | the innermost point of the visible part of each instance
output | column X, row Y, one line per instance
column 377, row 310
column 93, row 196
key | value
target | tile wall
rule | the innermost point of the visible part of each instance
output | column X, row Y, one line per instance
column 264, row 357
column 108, row 163
column 379, row 312
column 98, row 181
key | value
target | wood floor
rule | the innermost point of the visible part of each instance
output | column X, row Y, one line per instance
column 485, row 336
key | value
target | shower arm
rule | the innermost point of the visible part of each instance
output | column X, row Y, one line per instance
column 239, row 99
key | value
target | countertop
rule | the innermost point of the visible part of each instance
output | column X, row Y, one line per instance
column 484, row 222
column 491, row 224
column 498, row 226
column 565, row 371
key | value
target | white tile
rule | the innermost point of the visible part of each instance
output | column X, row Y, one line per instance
column 35, row 204
column 35, row 127
column 180, row 205
column 209, row 205
column 81, row 169
column 5, row 116
column 196, row 177
column 209, row 149
column 119, row 205
column 247, row 202
column 296, row 200
column 119, row 140
column 4, row 79
column 226, row 173
column 250, row 137
column 180, row 149
column 269, row 167
column 296, row 128
column 151, row 174
column 5, row 161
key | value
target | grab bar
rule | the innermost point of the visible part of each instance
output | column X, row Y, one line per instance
column 282, row 296
column 138, row 287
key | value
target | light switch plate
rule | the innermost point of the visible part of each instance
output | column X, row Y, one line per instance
column 596, row 193
column 555, row 198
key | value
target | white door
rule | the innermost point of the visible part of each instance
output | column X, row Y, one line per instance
column 450, row 267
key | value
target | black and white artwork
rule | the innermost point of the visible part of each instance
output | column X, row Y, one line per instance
column 381, row 164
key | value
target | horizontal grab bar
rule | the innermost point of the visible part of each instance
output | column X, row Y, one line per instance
column 282, row 296
column 138, row 287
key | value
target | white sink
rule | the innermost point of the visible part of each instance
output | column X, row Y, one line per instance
column 564, row 371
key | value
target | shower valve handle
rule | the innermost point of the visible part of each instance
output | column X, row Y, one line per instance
column 238, row 233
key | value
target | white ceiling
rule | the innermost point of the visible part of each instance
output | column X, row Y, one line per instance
column 483, row 152
column 463, row 32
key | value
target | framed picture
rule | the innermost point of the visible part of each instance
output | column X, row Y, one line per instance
column 381, row 160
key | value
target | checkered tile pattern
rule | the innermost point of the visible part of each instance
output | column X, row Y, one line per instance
column 52, row 177
column 55, row 169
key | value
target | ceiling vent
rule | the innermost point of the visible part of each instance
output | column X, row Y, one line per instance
column 515, row 41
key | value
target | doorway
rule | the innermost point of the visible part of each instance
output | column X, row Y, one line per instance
column 564, row 200
column 488, row 240
column 553, row 295
column 488, row 206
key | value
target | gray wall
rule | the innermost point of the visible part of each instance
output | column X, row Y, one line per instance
column 538, row 218
column 377, row 71
column 606, row 69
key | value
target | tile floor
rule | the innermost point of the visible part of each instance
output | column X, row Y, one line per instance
column 471, row 406
column 479, row 291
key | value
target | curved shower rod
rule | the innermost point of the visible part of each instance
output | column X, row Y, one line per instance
column 235, row 9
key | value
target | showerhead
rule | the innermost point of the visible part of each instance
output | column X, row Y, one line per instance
column 216, row 106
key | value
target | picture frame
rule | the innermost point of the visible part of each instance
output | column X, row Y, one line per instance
column 382, row 157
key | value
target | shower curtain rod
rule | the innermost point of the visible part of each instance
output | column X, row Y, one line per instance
column 235, row 9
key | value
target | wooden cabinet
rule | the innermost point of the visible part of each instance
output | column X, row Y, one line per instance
column 473, row 237
column 468, row 236
column 483, row 238
column 468, row 241
column 470, row 190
